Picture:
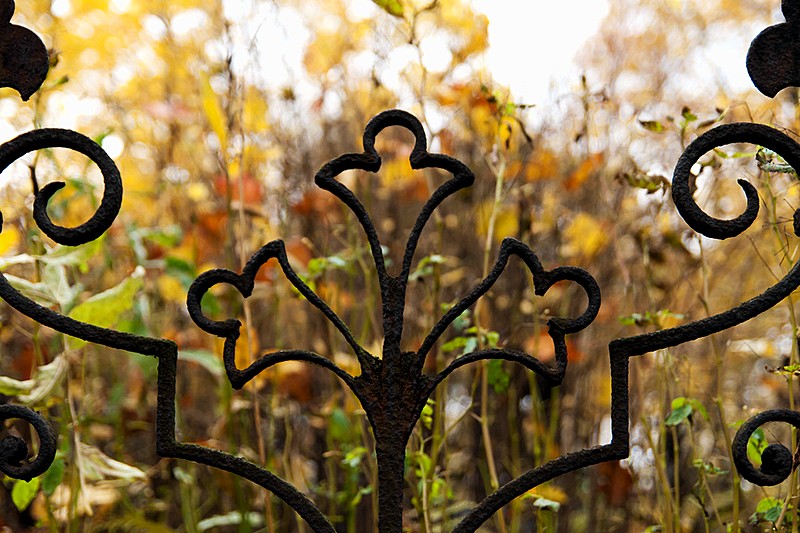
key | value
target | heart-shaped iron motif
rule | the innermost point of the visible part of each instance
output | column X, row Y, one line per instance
column 230, row 329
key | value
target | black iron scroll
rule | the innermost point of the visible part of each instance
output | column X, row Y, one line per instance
column 393, row 389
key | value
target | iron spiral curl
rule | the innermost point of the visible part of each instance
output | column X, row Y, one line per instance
column 739, row 132
column 110, row 203
column 777, row 461
column 14, row 451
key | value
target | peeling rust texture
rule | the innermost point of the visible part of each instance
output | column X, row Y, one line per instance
column 392, row 386
column 773, row 60
column 24, row 61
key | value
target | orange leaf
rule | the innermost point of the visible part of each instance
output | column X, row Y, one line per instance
column 585, row 170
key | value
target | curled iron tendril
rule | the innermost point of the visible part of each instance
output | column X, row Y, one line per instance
column 14, row 451
column 777, row 462
column 110, row 204
column 758, row 134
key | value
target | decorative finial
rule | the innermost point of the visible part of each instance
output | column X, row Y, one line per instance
column 24, row 61
column 774, row 57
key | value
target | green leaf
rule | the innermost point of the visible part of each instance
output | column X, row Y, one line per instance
column 492, row 339
column 425, row 465
column 337, row 261
column 470, row 346
column 45, row 380
column 642, row 180
column 38, row 292
column 756, row 446
column 234, row 518
column 98, row 466
column 339, row 425
column 773, row 514
column 544, row 503
column 363, row 491
column 427, row 414
column 425, row 266
column 353, row 457
column 652, row 125
column 181, row 270
column 53, row 477
column 104, row 309
column 679, row 413
column 13, row 387
column 72, row 255
column 16, row 260
column 698, row 406
column 168, row 237
column 708, row 468
column 765, row 504
column 678, row 402
column 454, row 344
column 688, row 116
column 206, row 359
column 24, row 492
column 393, row 7
column 498, row 377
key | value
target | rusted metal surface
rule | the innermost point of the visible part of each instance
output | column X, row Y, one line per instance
column 774, row 57
column 24, row 61
column 392, row 386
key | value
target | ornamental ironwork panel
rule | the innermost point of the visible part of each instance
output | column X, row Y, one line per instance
column 393, row 388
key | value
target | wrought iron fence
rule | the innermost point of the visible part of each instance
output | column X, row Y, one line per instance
column 393, row 388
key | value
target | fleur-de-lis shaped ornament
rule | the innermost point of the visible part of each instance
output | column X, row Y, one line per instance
column 393, row 389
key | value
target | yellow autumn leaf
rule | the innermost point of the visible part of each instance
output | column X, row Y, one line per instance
column 550, row 492
column 506, row 222
column 393, row 7
column 585, row 170
column 508, row 131
column 213, row 110
column 585, row 237
column 171, row 289
column 255, row 112
column 9, row 238
column 483, row 123
column 542, row 165
column 325, row 52
column 396, row 171
column 602, row 395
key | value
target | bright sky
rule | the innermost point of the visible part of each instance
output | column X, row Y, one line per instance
column 534, row 42
column 531, row 41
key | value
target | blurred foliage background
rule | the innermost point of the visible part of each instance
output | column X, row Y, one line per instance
column 217, row 161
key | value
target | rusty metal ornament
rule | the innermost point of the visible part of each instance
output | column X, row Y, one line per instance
column 393, row 389
column 773, row 60
column 24, row 60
